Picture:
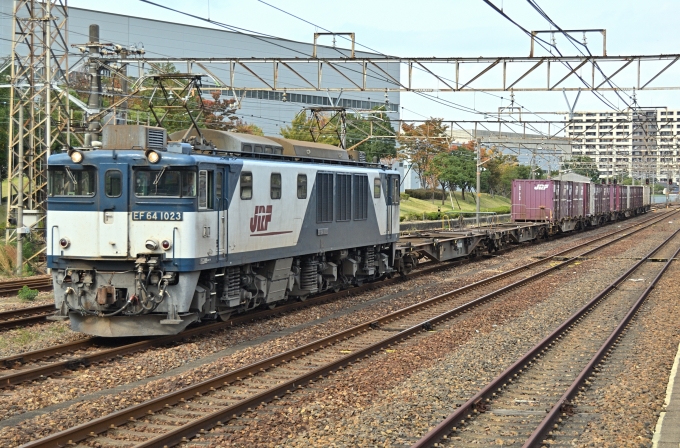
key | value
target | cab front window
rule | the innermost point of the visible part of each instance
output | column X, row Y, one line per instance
column 67, row 181
column 165, row 182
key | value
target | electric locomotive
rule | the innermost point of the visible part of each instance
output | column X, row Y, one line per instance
column 146, row 235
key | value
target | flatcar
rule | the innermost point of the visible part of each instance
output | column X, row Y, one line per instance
column 146, row 236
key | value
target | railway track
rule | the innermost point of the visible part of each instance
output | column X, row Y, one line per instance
column 180, row 415
column 25, row 316
column 528, row 402
column 12, row 287
column 41, row 364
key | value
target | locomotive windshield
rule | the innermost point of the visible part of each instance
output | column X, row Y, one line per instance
column 166, row 182
column 64, row 181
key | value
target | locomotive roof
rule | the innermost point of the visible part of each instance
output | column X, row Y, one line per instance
column 136, row 157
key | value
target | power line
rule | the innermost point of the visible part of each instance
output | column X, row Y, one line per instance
column 541, row 42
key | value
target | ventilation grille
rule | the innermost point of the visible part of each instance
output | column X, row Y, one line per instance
column 344, row 197
column 324, row 197
column 155, row 138
column 360, row 197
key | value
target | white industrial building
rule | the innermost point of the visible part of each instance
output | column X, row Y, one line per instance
column 640, row 143
column 266, row 109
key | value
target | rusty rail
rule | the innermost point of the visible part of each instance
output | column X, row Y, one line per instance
column 12, row 287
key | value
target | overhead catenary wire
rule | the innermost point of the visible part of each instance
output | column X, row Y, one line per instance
column 543, row 44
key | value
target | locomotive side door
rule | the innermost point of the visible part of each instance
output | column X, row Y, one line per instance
column 392, row 200
column 221, row 200
column 113, row 207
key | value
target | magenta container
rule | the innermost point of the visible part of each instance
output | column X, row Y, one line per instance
column 548, row 200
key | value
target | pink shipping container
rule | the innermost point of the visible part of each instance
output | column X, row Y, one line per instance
column 548, row 200
column 615, row 198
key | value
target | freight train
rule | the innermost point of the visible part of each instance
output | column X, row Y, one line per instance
column 153, row 232
column 571, row 205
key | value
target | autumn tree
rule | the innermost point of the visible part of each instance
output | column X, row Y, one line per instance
column 308, row 129
column 421, row 143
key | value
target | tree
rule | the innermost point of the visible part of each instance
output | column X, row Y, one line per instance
column 421, row 143
column 246, row 128
column 307, row 129
column 583, row 165
column 218, row 113
column 455, row 169
column 376, row 124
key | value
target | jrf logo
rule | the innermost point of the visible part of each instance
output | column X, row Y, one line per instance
column 541, row 187
column 261, row 218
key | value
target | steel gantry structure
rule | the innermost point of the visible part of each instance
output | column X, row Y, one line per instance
column 467, row 74
column 39, row 107
column 40, row 119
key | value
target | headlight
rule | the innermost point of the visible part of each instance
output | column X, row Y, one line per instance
column 152, row 156
column 75, row 155
column 151, row 244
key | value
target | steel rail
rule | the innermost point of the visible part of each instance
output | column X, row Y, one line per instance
column 471, row 406
column 88, row 359
column 117, row 418
column 13, row 314
column 12, row 287
column 544, row 427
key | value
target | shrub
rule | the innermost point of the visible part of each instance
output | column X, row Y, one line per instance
column 27, row 294
column 425, row 195
column 8, row 258
column 404, row 196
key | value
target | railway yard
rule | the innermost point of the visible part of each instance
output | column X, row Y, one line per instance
column 471, row 354
column 217, row 237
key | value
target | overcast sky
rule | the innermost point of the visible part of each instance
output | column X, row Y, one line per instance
column 451, row 28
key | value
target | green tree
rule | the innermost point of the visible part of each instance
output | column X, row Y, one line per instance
column 583, row 165
column 375, row 124
column 455, row 169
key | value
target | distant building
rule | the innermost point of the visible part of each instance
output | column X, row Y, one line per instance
column 640, row 143
column 264, row 108
column 409, row 177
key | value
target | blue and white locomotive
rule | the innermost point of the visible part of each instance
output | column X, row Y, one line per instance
column 146, row 236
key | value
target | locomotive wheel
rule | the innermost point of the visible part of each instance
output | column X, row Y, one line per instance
column 224, row 316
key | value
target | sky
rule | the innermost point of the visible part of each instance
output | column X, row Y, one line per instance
column 451, row 28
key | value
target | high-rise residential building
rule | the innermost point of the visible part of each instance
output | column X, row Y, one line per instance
column 641, row 143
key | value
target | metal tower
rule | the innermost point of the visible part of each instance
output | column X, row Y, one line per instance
column 39, row 111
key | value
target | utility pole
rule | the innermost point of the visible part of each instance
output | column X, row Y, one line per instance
column 479, row 172
column 93, row 47
column 20, row 199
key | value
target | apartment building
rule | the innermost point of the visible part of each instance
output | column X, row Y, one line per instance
column 639, row 143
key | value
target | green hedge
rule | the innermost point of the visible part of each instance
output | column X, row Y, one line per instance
column 425, row 194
